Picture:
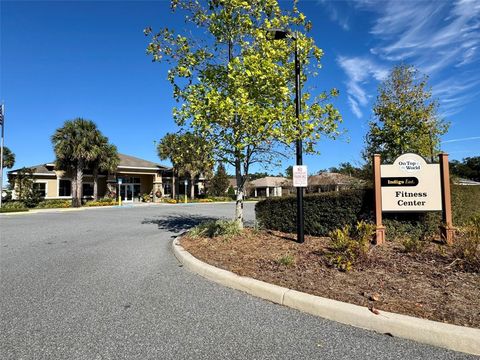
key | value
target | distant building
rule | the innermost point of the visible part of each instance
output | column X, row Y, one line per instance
column 270, row 186
column 467, row 182
column 328, row 181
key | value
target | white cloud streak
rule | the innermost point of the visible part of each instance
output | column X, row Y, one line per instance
column 441, row 38
column 360, row 71
column 461, row 139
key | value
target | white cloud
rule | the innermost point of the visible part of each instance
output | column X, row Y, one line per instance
column 335, row 14
column 461, row 139
column 440, row 38
column 360, row 71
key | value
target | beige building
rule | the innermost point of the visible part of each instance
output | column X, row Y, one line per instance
column 270, row 186
column 133, row 178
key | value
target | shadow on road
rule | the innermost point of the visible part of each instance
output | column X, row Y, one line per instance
column 177, row 223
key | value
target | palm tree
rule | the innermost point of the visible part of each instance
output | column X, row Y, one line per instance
column 75, row 145
column 8, row 158
column 107, row 160
column 167, row 149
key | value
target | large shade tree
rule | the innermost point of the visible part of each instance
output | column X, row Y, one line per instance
column 406, row 118
column 76, row 145
column 235, row 85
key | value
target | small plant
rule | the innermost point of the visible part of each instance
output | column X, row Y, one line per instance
column 348, row 245
column 413, row 244
column 467, row 245
column 216, row 228
column 287, row 260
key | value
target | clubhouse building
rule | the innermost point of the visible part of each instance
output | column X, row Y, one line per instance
column 134, row 177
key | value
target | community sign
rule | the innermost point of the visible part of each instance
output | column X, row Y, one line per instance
column 411, row 185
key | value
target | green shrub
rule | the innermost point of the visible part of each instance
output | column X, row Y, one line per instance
column 328, row 211
column 287, row 260
column 13, row 205
column 324, row 212
column 54, row 203
column 101, row 202
column 216, row 228
column 467, row 245
column 350, row 244
column 3, row 210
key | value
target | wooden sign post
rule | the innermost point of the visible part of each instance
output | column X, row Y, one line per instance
column 447, row 229
column 380, row 229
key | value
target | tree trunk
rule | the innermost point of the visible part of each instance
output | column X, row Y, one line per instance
column 192, row 187
column 240, row 190
column 77, row 202
column 173, row 184
column 95, row 183
column 74, row 187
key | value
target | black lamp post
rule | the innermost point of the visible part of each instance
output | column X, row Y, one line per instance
column 279, row 35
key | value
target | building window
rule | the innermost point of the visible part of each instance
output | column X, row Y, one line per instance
column 40, row 189
column 87, row 189
column 64, row 188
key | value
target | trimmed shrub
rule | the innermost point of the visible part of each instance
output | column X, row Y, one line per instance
column 328, row 211
column 54, row 203
column 101, row 202
column 324, row 212
column 13, row 206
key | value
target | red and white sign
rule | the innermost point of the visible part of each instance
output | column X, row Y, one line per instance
column 300, row 176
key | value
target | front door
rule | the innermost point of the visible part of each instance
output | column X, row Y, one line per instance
column 126, row 192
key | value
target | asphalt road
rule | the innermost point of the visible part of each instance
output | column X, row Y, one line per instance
column 104, row 284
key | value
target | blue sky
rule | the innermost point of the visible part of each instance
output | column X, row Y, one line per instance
column 61, row 60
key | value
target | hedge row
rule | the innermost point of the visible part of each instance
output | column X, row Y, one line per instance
column 328, row 211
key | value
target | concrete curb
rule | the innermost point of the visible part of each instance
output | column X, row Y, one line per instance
column 453, row 337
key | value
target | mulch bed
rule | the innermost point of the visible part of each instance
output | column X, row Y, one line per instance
column 426, row 284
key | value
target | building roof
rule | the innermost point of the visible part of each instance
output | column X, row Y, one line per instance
column 126, row 161
column 329, row 178
column 36, row 169
column 271, row 181
column 460, row 181
column 134, row 162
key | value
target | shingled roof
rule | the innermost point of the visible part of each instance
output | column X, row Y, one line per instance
column 126, row 161
column 328, row 178
column 134, row 162
column 271, row 181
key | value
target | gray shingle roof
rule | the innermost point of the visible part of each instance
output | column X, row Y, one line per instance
column 132, row 161
column 271, row 181
column 125, row 161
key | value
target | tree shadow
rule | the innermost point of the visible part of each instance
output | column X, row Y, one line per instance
column 178, row 223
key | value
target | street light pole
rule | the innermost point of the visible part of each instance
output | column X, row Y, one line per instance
column 278, row 35
column 300, row 218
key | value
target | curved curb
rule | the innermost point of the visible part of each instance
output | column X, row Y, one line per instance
column 453, row 337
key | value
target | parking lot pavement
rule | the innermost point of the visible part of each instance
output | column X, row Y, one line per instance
column 103, row 284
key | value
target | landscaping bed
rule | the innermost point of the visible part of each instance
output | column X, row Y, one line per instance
column 430, row 284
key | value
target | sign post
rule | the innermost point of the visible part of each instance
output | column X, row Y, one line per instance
column 380, row 229
column 186, row 184
column 447, row 229
column 119, row 192
column 300, row 180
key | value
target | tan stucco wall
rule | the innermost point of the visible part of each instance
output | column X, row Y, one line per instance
column 51, row 185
